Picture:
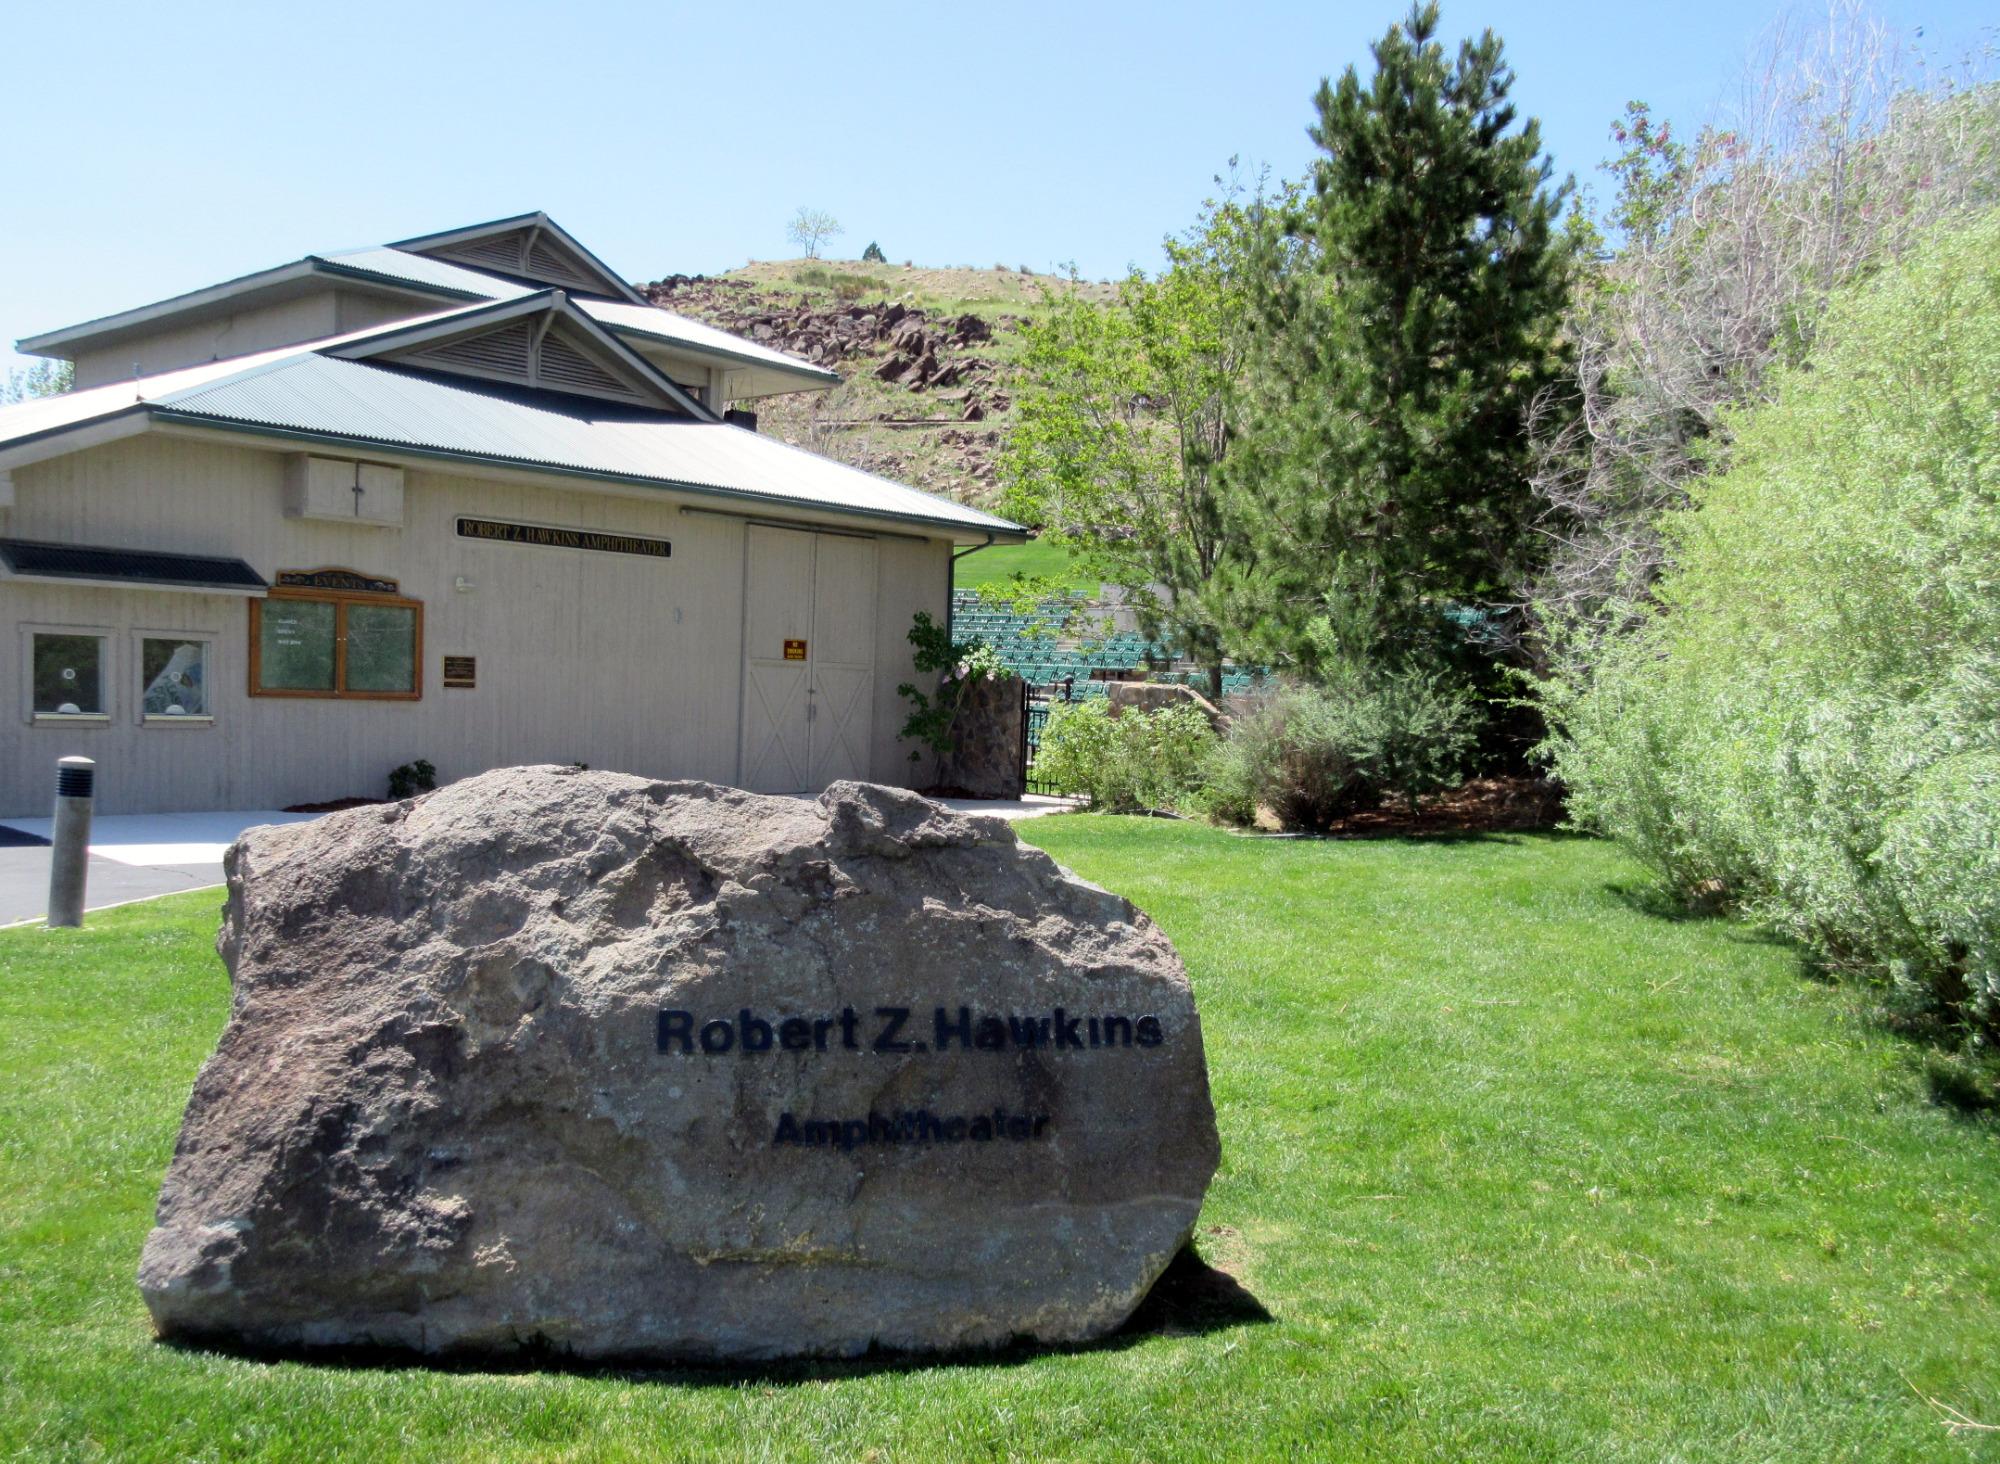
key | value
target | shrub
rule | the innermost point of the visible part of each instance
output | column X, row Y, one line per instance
column 411, row 779
column 959, row 665
column 1132, row 763
column 1809, row 718
column 1315, row 755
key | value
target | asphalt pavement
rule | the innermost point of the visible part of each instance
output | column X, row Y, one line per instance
column 132, row 857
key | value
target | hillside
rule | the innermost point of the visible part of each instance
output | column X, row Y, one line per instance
column 926, row 357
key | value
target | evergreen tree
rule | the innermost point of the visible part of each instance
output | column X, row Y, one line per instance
column 1406, row 309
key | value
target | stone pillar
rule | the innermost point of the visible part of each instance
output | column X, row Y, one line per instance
column 989, row 741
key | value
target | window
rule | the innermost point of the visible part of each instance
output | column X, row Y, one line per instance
column 68, row 674
column 319, row 643
column 173, row 678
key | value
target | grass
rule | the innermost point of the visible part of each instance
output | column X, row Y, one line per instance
column 948, row 290
column 1001, row 562
column 1517, row 1168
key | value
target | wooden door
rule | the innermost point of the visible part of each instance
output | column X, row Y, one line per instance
column 842, row 691
column 777, row 617
column 808, row 659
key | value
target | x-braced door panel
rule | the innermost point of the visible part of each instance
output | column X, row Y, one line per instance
column 809, row 659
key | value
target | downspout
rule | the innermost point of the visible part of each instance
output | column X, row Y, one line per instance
column 951, row 583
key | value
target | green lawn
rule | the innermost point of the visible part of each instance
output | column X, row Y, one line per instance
column 1002, row 562
column 1518, row 1169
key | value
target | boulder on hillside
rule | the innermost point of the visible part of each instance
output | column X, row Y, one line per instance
column 576, row 1061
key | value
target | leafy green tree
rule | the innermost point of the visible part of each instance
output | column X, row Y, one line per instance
column 1405, row 312
column 873, row 254
column 43, row 379
column 1124, row 417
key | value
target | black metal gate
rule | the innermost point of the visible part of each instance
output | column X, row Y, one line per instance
column 1034, row 717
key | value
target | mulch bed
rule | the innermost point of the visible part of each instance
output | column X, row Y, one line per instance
column 1482, row 806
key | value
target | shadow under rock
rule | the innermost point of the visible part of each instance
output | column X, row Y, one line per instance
column 1191, row 1298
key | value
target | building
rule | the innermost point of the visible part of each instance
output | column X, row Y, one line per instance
column 467, row 498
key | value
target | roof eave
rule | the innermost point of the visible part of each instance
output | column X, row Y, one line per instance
column 810, row 377
column 62, row 344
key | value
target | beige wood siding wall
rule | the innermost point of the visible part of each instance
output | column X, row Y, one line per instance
column 309, row 318
column 621, row 662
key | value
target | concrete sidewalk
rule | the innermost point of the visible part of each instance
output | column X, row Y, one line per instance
column 1032, row 806
column 133, row 856
column 137, row 856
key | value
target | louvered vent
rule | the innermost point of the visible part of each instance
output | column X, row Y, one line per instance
column 548, row 263
column 562, row 365
column 501, row 253
column 502, row 352
column 536, row 352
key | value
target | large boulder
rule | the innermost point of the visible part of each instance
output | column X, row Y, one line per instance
column 577, row 1061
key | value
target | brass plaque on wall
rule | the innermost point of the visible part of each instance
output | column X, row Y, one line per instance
column 461, row 672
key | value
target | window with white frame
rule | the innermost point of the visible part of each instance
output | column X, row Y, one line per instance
column 67, row 673
column 174, row 674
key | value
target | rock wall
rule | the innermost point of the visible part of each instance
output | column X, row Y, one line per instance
column 988, row 756
column 1149, row 696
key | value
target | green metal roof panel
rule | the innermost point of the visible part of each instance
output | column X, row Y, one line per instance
column 356, row 401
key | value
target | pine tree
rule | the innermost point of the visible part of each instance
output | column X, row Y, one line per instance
column 1407, row 313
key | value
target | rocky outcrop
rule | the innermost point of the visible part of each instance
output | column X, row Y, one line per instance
column 924, row 350
column 578, row 1061
column 938, row 371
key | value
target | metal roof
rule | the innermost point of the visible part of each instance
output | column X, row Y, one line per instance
column 663, row 325
column 429, row 274
column 44, row 560
column 649, row 321
column 539, row 224
column 302, row 394
column 404, row 270
column 359, row 401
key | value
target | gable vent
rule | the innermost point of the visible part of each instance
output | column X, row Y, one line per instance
column 503, row 352
column 502, row 253
column 550, row 355
column 548, row 263
column 562, row 365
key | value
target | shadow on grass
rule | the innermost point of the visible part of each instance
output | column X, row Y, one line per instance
column 1656, row 902
column 1191, row 1298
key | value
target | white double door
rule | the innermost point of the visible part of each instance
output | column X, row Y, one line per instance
column 808, row 659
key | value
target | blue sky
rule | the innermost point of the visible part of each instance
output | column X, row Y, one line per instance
column 157, row 148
